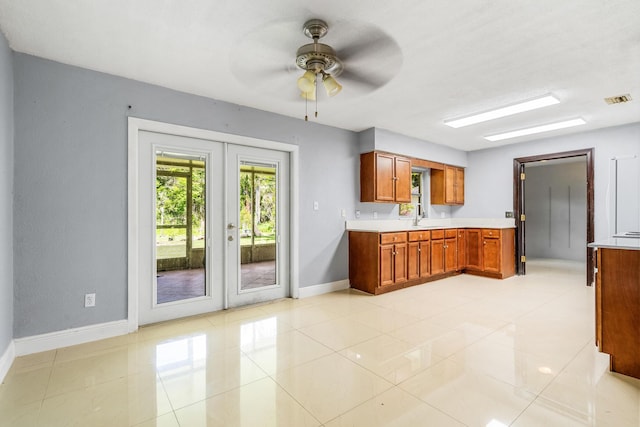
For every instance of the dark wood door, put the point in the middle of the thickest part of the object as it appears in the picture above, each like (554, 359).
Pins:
(474, 248)
(449, 185)
(413, 261)
(491, 255)
(437, 256)
(425, 258)
(400, 263)
(386, 265)
(459, 186)
(462, 249)
(450, 254)
(385, 182)
(403, 180)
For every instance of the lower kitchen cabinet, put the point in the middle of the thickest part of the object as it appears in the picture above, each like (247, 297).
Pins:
(383, 262)
(618, 308)
(419, 259)
(491, 252)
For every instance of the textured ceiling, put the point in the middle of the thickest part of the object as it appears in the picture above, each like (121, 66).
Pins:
(445, 59)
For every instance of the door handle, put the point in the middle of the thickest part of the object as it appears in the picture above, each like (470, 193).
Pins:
(231, 226)
(230, 238)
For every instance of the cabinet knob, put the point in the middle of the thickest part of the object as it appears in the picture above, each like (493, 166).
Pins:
(395, 238)
(484, 243)
(419, 249)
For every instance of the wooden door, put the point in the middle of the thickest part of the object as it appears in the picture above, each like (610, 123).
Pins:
(414, 260)
(474, 248)
(462, 249)
(386, 265)
(403, 180)
(425, 258)
(459, 186)
(450, 254)
(385, 182)
(400, 263)
(449, 185)
(491, 255)
(437, 256)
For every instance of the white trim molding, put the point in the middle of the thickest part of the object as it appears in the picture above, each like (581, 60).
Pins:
(323, 288)
(135, 126)
(6, 360)
(68, 337)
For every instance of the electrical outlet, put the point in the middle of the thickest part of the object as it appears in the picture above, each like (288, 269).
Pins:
(375, 215)
(90, 300)
(343, 213)
(316, 206)
(508, 214)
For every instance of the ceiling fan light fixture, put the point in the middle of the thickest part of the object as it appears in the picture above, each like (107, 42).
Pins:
(331, 85)
(309, 96)
(307, 82)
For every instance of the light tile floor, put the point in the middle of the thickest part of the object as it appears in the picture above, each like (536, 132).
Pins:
(460, 351)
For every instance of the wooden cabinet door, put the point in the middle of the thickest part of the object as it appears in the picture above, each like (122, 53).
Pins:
(450, 254)
(400, 263)
(474, 248)
(449, 185)
(462, 249)
(459, 186)
(425, 258)
(491, 249)
(403, 180)
(385, 182)
(437, 256)
(414, 260)
(386, 265)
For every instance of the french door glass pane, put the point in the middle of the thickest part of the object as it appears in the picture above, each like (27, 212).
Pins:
(180, 227)
(258, 219)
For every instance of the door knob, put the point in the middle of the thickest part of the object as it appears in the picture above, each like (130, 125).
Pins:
(231, 226)
(230, 238)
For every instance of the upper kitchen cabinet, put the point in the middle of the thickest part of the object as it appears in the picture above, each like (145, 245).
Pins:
(447, 186)
(385, 177)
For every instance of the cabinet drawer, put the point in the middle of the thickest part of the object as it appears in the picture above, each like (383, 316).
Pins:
(416, 236)
(387, 238)
(450, 232)
(437, 234)
(490, 233)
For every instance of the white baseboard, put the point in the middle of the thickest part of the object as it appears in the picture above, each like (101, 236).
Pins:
(66, 338)
(7, 360)
(323, 288)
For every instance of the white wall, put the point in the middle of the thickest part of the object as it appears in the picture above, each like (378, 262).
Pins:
(556, 210)
(489, 175)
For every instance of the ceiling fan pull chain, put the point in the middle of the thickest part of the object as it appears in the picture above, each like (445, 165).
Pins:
(315, 84)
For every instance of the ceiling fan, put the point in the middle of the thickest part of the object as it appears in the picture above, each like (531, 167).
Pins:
(319, 61)
(361, 55)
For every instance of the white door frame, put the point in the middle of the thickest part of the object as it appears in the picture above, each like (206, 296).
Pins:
(135, 125)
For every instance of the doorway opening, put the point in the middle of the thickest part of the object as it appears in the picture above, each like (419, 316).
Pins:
(519, 179)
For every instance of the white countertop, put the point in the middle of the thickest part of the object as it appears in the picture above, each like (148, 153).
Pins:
(386, 225)
(617, 243)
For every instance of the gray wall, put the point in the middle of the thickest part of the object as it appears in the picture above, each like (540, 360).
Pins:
(556, 209)
(6, 195)
(489, 175)
(71, 186)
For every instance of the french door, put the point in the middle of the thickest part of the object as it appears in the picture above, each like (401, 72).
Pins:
(213, 226)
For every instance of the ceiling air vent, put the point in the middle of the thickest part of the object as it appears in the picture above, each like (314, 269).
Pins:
(618, 99)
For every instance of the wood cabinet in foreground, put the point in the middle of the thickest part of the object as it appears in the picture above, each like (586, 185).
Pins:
(385, 178)
(618, 308)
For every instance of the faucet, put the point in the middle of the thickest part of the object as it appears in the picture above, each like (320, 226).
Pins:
(415, 217)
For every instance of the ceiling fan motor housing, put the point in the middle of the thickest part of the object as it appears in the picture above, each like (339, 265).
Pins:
(317, 57)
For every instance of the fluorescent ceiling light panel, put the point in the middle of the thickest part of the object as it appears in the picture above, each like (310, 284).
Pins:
(536, 129)
(509, 110)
